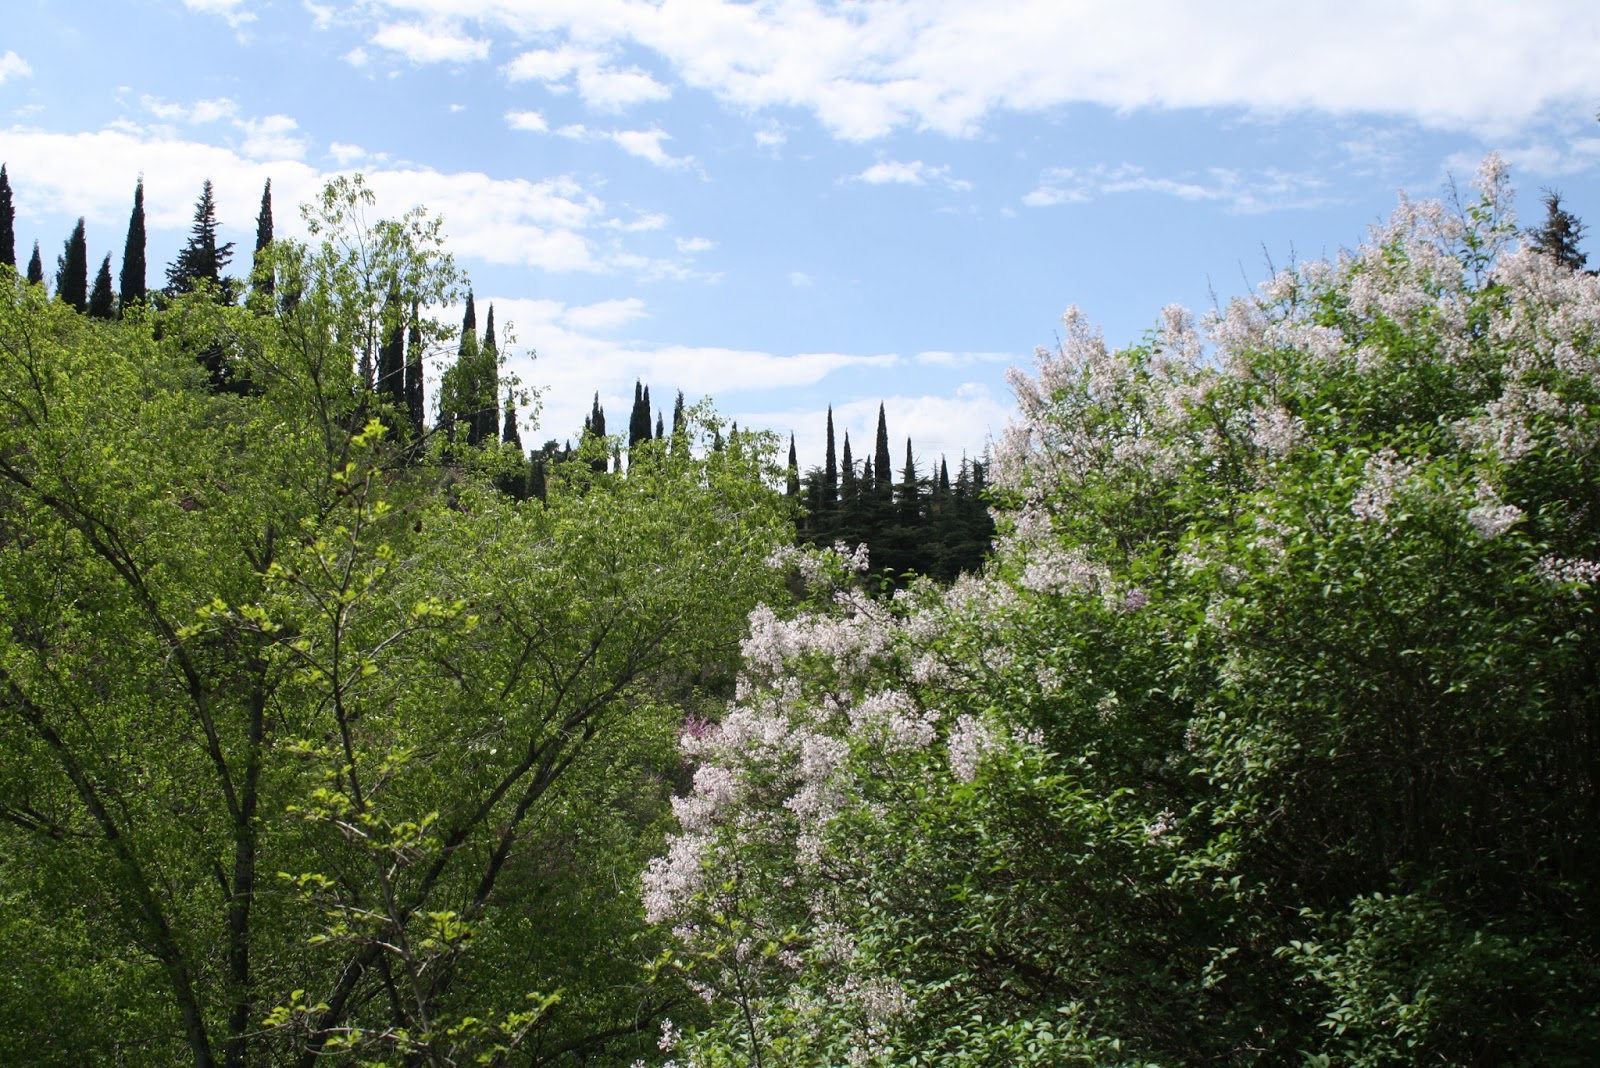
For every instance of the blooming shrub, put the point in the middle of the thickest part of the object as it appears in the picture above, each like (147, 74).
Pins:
(1270, 736)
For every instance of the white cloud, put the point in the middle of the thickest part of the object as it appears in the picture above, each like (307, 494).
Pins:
(1246, 192)
(801, 280)
(692, 245)
(230, 10)
(272, 137)
(963, 420)
(646, 144)
(197, 113)
(605, 315)
(344, 154)
(531, 121)
(13, 66)
(357, 57)
(892, 172)
(618, 90)
(602, 87)
(946, 65)
(938, 358)
(435, 43)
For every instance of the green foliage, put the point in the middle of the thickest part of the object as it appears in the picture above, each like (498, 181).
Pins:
(313, 750)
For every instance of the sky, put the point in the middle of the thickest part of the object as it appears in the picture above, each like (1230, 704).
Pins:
(791, 204)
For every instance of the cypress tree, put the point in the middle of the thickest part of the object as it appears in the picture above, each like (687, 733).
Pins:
(486, 386)
(847, 476)
(639, 418)
(392, 352)
(260, 271)
(661, 427)
(509, 434)
(880, 458)
(72, 269)
(102, 302)
(792, 488)
(201, 259)
(909, 497)
(8, 222)
(36, 267)
(132, 285)
(595, 427)
(830, 470)
(414, 398)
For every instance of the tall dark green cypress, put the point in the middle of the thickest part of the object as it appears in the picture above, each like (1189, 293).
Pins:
(201, 259)
(848, 489)
(36, 267)
(661, 427)
(909, 497)
(415, 406)
(260, 270)
(72, 269)
(830, 470)
(510, 434)
(792, 486)
(392, 352)
(639, 418)
(595, 427)
(103, 302)
(486, 386)
(131, 288)
(8, 222)
(883, 473)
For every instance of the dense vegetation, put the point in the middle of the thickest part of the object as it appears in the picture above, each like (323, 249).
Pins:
(1269, 734)
(313, 740)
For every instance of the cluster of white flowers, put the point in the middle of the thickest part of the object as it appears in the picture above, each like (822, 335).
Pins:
(969, 742)
(1385, 477)
(1561, 571)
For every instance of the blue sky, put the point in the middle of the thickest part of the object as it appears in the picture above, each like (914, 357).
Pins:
(788, 204)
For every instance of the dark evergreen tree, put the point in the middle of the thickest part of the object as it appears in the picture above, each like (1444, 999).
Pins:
(848, 490)
(1560, 233)
(415, 407)
(131, 282)
(486, 386)
(202, 260)
(509, 434)
(8, 222)
(792, 488)
(639, 418)
(884, 476)
(908, 498)
(102, 301)
(594, 426)
(392, 352)
(36, 266)
(260, 270)
(830, 470)
(661, 427)
(72, 269)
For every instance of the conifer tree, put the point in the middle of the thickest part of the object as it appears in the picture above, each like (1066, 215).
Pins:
(661, 427)
(848, 489)
(909, 498)
(485, 381)
(260, 271)
(103, 302)
(8, 222)
(392, 351)
(792, 488)
(509, 434)
(36, 267)
(131, 287)
(72, 269)
(202, 259)
(880, 458)
(639, 418)
(594, 426)
(830, 470)
(1558, 237)
(415, 407)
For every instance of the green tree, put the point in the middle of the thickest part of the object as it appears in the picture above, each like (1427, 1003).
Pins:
(416, 406)
(260, 277)
(8, 222)
(72, 270)
(36, 266)
(202, 260)
(102, 300)
(1559, 234)
(131, 287)
(301, 753)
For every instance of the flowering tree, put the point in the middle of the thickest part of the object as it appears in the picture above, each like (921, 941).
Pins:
(1272, 733)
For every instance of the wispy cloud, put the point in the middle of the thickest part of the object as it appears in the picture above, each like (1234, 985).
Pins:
(894, 172)
(1241, 191)
(232, 11)
(437, 42)
(602, 87)
(13, 66)
(531, 121)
